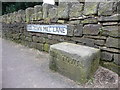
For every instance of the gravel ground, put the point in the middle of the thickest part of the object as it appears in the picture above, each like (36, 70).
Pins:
(28, 68)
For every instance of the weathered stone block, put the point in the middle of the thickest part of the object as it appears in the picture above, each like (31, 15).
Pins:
(106, 56)
(52, 13)
(92, 29)
(46, 8)
(111, 31)
(63, 10)
(4, 18)
(75, 10)
(39, 46)
(96, 37)
(78, 30)
(111, 66)
(113, 42)
(105, 8)
(32, 17)
(21, 15)
(118, 7)
(61, 21)
(28, 39)
(117, 59)
(90, 8)
(100, 42)
(75, 22)
(14, 17)
(70, 30)
(38, 39)
(9, 18)
(29, 12)
(46, 47)
(115, 17)
(38, 16)
(90, 21)
(1, 19)
(109, 23)
(37, 8)
(74, 61)
(38, 12)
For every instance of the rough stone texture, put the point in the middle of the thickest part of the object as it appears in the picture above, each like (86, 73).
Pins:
(78, 30)
(46, 47)
(109, 23)
(1, 19)
(63, 10)
(37, 8)
(28, 39)
(90, 21)
(105, 8)
(112, 50)
(118, 7)
(29, 12)
(113, 42)
(46, 8)
(38, 12)
(75, 10)
(39, 46)
(74, 61)
(111, 66)
(96, 37)
(52, 13)
(15, 30)
(70, 30)
(111, 31)
(14, 17)
(32, 17)
(117, 59)
(91, 29)
(4, 18)
(38, 39)
(21, 15)
(115, 17)
(106, 56)
(100, 42)
(90, 8)
(75, 22)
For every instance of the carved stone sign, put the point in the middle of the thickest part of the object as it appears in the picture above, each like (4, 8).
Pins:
(52, 29)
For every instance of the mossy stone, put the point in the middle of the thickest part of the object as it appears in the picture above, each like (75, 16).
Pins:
(46, 47)
(112, 66)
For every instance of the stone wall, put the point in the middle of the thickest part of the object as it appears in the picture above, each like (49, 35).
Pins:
(94, 24)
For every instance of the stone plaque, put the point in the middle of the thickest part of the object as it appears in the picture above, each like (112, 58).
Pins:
(51, 29)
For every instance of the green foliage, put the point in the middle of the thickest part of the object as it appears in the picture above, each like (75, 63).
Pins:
(9, 7)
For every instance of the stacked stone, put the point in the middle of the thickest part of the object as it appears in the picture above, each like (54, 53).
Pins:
(94, 24)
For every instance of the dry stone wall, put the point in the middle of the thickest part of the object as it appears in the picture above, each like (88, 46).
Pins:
(94, 24)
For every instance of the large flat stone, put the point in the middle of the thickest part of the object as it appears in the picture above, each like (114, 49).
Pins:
(74, 61)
